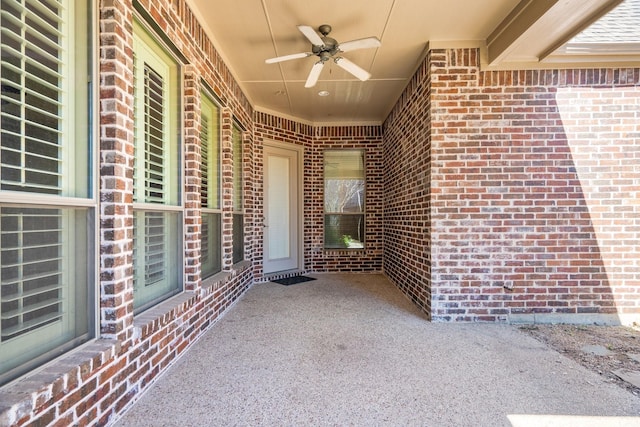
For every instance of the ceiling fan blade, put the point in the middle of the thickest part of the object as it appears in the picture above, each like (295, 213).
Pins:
(349, 66)
(365, 43)
(287, 57)
(311, 34)
(314, 74)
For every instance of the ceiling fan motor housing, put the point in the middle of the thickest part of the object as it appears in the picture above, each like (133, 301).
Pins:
(330, 46)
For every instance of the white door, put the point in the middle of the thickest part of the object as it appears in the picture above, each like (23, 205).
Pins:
(282, 222)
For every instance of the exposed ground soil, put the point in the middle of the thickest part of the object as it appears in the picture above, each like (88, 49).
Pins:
(577, 341)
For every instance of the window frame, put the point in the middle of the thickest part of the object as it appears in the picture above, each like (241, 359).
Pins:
(77, 195)
(216, 168)
(325, 214)
(171, 204)
(237, 211)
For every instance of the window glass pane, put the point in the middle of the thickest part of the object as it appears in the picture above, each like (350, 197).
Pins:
(344, 231)
(237, 169)
(344, 187)
(157, 256)
(210, 249)
(154, 136)
(344, 199)
(238, 220)
(36, 108)
(210, 149)
(43, 282)
(211, 254)
(156, 175)
(238, 238)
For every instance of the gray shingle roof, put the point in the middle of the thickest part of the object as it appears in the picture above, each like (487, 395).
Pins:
(621, 25)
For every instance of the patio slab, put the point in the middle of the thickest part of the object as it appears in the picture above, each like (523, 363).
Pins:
(352, 350)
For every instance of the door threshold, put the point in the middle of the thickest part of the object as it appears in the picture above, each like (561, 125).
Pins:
(282, 275)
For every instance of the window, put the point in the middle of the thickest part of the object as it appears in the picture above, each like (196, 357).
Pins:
(344, 203)
(211, 243)
(238, 218)
(157, 253)
(47, 204)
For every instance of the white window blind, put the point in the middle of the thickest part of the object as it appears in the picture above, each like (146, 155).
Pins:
(238, 167)
(32, 112)
(205, 135)
(155, 248)
(210, 154)
(205, 245)
(156, 104)
(32, 250)
(154, 135)
(238, 217)
(211, 243)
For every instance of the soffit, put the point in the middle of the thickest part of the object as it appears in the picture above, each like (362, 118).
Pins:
(249, 31)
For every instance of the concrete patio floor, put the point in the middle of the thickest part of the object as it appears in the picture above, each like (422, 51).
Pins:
(352, 350)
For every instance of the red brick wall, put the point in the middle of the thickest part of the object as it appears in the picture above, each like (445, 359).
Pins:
(534, 191)
(116, 170)
(91, 385)
(407, 173)
(315, 140)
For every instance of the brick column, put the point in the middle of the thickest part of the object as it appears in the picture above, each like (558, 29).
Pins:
(116, 169)
(248, 194)
(226, 165)
(192, 176)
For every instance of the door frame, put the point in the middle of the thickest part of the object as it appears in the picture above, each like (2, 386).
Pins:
(299, 150)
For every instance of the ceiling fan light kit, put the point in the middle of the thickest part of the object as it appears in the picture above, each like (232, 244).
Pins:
(326, 48)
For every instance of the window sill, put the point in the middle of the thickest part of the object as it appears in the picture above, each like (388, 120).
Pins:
(216, 279)
(156, 317)
(166, 312)
(241, 266)
(22, 397)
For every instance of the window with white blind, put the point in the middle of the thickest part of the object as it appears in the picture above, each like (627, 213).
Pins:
(211, 243)
(238, 215)
(157, 253)
(47, 253)
(344, 199)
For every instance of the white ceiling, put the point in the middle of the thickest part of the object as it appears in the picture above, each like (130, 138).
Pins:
(246, 32)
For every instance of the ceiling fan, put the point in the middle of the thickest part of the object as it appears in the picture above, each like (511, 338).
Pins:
(326, 48)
